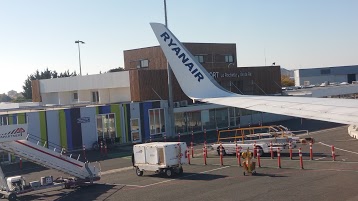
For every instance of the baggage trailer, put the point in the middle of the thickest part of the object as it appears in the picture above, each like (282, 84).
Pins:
(160, 157)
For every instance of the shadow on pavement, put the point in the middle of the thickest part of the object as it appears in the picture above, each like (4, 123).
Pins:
(92, 192)
(191, 176)
(268, 175)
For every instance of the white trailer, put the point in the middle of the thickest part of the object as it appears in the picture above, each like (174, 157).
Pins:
(160, 157)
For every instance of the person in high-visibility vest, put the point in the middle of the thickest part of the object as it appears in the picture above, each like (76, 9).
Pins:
(248, 165)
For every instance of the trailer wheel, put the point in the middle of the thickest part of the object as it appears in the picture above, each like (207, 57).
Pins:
(180, 171)
(138, 172)
(169, 172)
(12, 197)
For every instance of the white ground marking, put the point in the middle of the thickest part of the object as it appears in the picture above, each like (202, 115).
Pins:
(319, 158)
(116, 170)
(338, 148)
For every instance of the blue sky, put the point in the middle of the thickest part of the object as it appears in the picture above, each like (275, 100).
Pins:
(40, 34)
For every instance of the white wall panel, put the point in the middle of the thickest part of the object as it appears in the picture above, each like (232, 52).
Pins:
(103, 96)
(122, 94)
(53, 128)
(34, 124)
(50, 98)
(84, 96)
(89, 133)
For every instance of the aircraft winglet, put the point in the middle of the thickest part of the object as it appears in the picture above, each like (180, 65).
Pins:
(194, 80)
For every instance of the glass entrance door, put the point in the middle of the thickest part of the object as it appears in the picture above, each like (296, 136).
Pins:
(135, 130)
(106, 126)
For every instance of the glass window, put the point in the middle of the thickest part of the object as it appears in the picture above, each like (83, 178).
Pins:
(221, 117)
(229, 58)
(4, 120)
(135, 136)
(156, 121)
(144, 63)
(75, 96)
(151, 122)
(194, 119)
(162, 120)
(211, 124)
(135, 124)
(232, 115)
(200, 58)
(99, 126)
(95, 97)
(111, 126)
(106, 126)
(179, 121)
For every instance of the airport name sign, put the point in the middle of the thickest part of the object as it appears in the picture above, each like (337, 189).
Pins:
(13, 132)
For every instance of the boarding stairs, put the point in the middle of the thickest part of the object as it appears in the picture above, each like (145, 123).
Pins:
(54, 159)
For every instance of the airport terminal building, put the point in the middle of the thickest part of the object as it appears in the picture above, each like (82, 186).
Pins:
(131, 106)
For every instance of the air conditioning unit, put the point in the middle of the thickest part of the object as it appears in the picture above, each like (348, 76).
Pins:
(176, 104)
(183, 103)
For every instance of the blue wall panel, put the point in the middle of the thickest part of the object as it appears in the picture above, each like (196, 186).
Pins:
(68, 129)
(145, 118)
(104, 109)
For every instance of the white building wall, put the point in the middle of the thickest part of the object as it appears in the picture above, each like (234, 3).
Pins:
(111, 87)
(122, 94)
(103, 96)
(296, 74)
(84, 96)
(88, 82)
(65, 98)
(50, 98)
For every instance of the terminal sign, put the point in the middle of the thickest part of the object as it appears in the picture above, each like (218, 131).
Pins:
(13, 132)
(230, 75)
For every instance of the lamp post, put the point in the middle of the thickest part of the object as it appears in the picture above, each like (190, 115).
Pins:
(79, 53)
(170, 89)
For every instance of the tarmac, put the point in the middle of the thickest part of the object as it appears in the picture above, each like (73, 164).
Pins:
(320, 179)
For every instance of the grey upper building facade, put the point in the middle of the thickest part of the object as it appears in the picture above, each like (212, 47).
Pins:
(315, 76)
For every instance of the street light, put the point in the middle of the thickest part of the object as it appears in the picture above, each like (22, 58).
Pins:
(79, 53)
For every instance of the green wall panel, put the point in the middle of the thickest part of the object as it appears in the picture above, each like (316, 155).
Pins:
(117, 113)
(21, 117)
(63, 132)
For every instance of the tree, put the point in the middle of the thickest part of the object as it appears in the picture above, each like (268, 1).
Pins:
(46, 74)
(286, 81)
(116, 70)
(5, 98)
